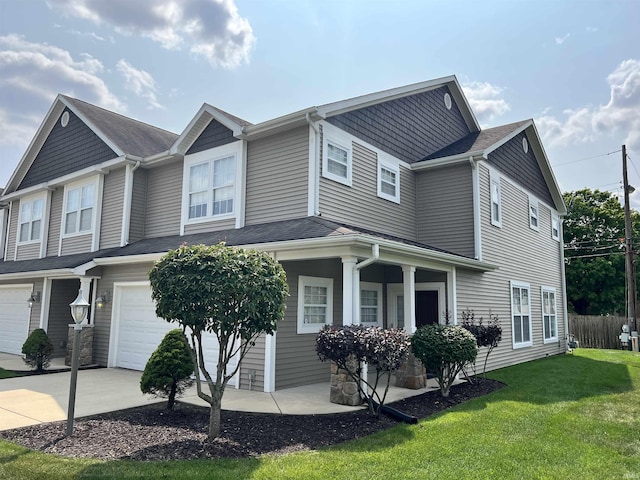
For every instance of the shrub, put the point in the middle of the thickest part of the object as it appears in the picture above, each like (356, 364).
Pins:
(168, 371)
(487, 335)
(37, 350)
(444, 349)
(383, 349)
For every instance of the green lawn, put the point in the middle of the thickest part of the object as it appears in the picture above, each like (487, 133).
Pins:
(571, 416)
(7, 374)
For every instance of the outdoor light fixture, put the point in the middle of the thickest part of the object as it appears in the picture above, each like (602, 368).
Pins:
(33, 299)
(102, 299)
(79, 309)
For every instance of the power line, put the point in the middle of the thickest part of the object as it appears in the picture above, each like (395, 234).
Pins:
(586, 158)
(569, 257)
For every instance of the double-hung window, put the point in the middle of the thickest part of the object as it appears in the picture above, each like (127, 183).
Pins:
(370, 304)
(315, 303)
(521, 314)
(533, 214)
(555, 226)
(336, 155)
(496, 201)
(388, 181)
(30, 228)
(212, 188)
(79, 208)
(549, 316)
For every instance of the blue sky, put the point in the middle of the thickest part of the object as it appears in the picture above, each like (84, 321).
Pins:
(573, 66)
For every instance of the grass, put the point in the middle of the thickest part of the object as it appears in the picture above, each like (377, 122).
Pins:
(8, 374)
(570, 416)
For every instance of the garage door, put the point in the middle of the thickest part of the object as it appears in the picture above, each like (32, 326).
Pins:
(14, 317)
(139, 331)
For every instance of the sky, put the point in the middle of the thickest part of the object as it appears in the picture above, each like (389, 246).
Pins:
(573, 66)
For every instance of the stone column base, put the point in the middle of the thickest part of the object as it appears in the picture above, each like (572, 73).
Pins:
(86, 345)
(411, 374)
(344, 390)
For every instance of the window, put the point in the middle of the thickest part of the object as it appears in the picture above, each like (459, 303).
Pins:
(30, 227)
(388, 181)
(370, 304)
(336, 155)
(211, 188)
(520, 315)
(555, 226)
(78, 210)
(533, 213)
(496, 202)
(315, 303)
(549, 318)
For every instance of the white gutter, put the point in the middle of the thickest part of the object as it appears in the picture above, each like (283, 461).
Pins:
(450, 160)
(375, 255)
(264, 127)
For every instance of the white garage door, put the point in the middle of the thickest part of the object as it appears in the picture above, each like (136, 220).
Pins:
(14, 317)
(139, 331)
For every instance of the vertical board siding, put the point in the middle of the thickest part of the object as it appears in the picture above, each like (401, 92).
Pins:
(254, 360)
(164, 200)
(277, 177)
(112, 203)
(28, 251)
(213, 226)
(444, 211)
(296, 359)
(521, 254)
(359, 204)
(55, 222)
(63, 292)
(214, 135)
(13, 232)
(138, 205)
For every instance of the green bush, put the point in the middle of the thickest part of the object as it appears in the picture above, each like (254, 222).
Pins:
(38, 350)
(445, 350)
(168, 371)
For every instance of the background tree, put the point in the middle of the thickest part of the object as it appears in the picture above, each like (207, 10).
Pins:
(234, 293)
(37, 350)
(594, 252)
(168, 371)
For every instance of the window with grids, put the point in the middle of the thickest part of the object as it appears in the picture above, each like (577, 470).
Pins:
(336, 155)
(370, 303)
(521, 315)
(79, 206)
(496, 202)
(555, 226)
(389, 181)
(211, 188)
(533, 214)
(315, 303)
(549, 317)
(30, 220)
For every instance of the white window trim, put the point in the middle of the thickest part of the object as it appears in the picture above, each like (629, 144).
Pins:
(378, 288)
(544, 289)
(393, 167)
(394, 290)
(522, 285)
(318, 282)
(31, 199)
(555, 218)
(494, 179)
(234, 149)
(332, 135)
(533, 203)
(95, 208)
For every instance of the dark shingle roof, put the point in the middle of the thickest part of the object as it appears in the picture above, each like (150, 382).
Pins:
(238, 120)
(50, 263)
(131, 136)
(477, 141)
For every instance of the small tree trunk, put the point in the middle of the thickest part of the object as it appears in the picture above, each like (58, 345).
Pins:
(172, 395)
(214, 414)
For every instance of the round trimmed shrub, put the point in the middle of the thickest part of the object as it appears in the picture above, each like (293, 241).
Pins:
(37, 350)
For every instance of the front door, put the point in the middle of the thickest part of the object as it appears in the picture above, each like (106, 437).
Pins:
(426, 307)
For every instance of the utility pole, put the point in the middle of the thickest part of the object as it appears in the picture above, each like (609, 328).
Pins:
(628, 232)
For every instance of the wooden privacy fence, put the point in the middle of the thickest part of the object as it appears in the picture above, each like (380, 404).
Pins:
(597, 332)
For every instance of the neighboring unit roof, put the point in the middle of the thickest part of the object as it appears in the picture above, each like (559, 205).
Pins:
(238, 120)
(64, 262)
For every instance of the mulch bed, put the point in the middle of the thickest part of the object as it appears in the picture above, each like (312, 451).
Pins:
(153, 433)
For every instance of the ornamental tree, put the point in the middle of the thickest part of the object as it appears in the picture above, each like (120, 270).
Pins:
(487, 334)
(37, 350)
(234, 293)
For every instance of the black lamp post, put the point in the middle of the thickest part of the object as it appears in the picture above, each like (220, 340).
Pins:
(79, 309)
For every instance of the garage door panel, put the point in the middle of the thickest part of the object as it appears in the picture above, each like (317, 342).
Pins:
(14, 318)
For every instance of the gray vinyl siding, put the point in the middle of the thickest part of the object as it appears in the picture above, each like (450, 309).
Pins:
(63, 292)
(67, 150)
(254, 360)
(213, 226)
(444, 212)
(523, 255)
(76, 244)
(296, 359)
(214, 135)
(13, 231)
(28, 251)
(164, 199)
(277, 177)
(112, 203)
(359, 204)
(138, 205)
(55, 222)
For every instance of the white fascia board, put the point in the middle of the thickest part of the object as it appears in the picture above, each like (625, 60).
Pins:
(124, 260)
(445, 161)
(281, 123)
(467, 112)
(547, 171)
(57, 273)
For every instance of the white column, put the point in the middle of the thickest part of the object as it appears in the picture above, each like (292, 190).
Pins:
(409, 288)
(348, 274)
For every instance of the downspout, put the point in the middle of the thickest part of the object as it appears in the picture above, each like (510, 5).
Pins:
(314, 171)
(564, 282)
(375, 255)
(477, 221)
(126, 208)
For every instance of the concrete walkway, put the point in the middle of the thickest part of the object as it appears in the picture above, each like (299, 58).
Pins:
(44, 398)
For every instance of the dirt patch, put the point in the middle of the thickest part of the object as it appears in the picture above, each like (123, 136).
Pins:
(153, 433)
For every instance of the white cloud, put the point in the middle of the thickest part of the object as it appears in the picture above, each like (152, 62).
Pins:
(139, 82)
(586, 124)
(561, 40)
(212, 29)
(592, 29)
(485, 100)
(33, 74)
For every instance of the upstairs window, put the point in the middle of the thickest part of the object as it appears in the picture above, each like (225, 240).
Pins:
(555, 226)
(496, 201)
(388, 181)
(533, 214)
(30, 220)
(336, 155)
(78, 210)
(212, 188)
(549, 318)
(520, 315)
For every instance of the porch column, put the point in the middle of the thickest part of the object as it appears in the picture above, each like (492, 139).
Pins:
(348, 275)
(409, 284)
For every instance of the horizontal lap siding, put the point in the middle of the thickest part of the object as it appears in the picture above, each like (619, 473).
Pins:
(359, 205)
(55, 222)
(77, 244)
(277, 177)
(138, 205)
(445, 208)
(28, 251)
(112, 203)
(522, 254)
(296, 359)
(210, 226)
(164, 198)
(63, 292)
(253, 360)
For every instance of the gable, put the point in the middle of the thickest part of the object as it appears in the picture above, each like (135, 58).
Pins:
(522, 167)
(66, 150)
(214, 135)
(409, 128)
